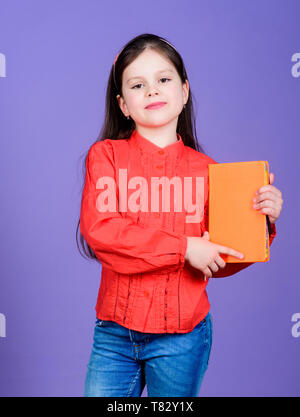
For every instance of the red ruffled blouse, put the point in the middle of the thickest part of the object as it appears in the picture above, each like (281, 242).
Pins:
(137, 227)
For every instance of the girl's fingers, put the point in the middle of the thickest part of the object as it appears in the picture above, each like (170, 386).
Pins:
(213, 267)
(270, 189)
(268, 206)
(270, 212)
(207, 273)
(205, 235)
(267, 195)
(220, 261)
(264, 203)
(229, 251)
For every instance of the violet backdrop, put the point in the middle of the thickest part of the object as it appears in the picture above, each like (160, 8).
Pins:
(55, 61)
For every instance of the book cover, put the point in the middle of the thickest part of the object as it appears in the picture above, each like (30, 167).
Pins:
(233, 222)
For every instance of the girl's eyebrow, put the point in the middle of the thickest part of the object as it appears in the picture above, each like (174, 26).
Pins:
(158, 72)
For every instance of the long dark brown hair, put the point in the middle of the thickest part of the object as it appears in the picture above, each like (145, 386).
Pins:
(116, 126)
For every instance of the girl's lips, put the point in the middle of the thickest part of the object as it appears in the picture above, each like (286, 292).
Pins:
(155, 106)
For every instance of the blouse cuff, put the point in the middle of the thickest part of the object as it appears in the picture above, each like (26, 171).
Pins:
(182, 248)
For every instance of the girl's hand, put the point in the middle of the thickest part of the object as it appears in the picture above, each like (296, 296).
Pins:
(269, 200)
(204, 255)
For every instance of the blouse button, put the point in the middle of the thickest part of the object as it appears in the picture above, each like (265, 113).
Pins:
(159, 166)
(161, 152)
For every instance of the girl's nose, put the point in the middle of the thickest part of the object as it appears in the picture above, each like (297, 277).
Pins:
(153, 90)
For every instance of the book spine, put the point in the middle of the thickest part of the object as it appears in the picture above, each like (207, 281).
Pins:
(267, 234)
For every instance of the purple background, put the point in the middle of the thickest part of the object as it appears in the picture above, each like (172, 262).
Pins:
(58, 58)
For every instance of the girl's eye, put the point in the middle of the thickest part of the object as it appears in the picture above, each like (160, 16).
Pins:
(136, 86)
(164, 78)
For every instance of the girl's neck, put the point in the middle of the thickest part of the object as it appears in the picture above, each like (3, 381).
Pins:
(161, 136)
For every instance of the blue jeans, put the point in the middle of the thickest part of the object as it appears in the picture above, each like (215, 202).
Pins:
(122, 361)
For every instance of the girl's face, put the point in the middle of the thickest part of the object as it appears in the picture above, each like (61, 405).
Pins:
(152, 78)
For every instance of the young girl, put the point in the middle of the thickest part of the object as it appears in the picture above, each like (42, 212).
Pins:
(153, 324)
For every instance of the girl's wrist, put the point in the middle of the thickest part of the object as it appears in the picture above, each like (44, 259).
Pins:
(187, 249)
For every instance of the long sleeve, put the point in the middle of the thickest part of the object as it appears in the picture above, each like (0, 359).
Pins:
(117, 241)
(233, 268)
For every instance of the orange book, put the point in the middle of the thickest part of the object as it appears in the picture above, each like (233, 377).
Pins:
(232, 220)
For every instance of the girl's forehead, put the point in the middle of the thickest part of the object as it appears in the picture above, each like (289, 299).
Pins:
(148, 62)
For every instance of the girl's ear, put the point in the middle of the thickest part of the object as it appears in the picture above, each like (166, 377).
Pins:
(186, 88)
(122, 105)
